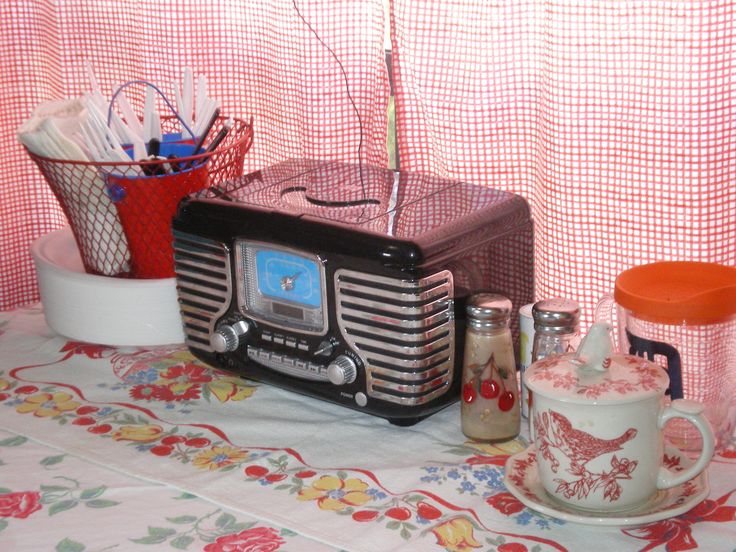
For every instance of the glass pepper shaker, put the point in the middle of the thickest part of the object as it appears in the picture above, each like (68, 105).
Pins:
(490, 404)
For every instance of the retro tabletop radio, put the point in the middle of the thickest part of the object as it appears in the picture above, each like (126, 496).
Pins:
(346, 282)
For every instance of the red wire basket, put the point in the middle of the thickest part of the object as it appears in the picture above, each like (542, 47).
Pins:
(120, 213)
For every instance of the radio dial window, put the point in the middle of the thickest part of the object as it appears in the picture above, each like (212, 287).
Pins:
(281, 286)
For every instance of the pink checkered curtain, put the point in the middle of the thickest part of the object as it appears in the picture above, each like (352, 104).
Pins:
(260, 57)
(616, 120)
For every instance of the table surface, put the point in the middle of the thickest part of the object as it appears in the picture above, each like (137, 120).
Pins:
(105, 448)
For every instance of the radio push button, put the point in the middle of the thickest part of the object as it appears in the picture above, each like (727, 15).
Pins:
(361, 399)
(315, 368)
(285, 364)
(226, 337)
(342, 370)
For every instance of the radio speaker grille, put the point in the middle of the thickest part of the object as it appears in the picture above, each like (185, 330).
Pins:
(403, 331)
(203, 284)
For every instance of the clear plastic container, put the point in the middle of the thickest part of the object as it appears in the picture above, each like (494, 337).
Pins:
(682, 315)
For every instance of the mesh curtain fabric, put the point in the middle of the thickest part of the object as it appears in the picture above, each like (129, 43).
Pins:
(614, 119)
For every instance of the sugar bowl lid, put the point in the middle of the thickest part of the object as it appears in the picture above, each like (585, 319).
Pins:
(593, 375)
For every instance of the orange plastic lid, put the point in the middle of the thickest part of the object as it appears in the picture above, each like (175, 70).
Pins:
(677, 292)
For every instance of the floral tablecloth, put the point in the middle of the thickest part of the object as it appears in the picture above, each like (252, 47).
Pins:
(106, 448)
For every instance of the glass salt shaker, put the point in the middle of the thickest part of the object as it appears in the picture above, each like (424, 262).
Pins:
(490, 404)
(556, 331)
(556, 327)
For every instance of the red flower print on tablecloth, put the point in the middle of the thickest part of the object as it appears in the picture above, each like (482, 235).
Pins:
(147, 392)
(427, 511)
(512, 547)
(258, 539)
(506, 503)
(87, 349)
(487, 460)
(5, 385)
(676, 533)
(19, 505)
(180, 382)
(178, 392)
(186, 373)
(494, 454)
(728, 450)
(174, 375)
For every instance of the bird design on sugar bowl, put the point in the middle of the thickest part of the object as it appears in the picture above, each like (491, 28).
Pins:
(554, 430)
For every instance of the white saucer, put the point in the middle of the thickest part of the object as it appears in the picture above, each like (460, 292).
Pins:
(667, 503)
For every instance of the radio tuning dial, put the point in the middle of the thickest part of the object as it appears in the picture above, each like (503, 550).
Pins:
(325, 348)
(342, 370)
(226, 337)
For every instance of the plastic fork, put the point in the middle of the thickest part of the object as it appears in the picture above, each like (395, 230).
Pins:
(103, 141)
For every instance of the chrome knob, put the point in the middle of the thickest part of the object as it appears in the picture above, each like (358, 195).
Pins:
(226, 337)
(342, 370)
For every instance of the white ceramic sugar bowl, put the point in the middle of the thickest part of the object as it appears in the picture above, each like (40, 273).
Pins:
(598, 427)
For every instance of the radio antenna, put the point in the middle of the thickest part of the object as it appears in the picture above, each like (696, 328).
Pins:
(347, 90)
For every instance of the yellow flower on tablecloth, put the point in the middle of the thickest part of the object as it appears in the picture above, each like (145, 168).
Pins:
(183, 355)
(142, 434)
(219, 457)
(230, 389)
(4, 384)
(47, 404)
(498, 449)
(335, 493)
(180, 388)
(456, 535)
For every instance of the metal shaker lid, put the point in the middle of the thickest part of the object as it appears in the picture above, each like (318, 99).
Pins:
(488, 310)
(556, 315)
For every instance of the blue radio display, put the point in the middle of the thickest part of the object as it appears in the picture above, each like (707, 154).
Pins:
(288, 277)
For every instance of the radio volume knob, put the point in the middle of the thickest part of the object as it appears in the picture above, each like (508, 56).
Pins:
(226, 337)
(342, 370)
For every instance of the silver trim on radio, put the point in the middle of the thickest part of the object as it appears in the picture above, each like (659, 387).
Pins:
(203, 284)
(403, 331)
